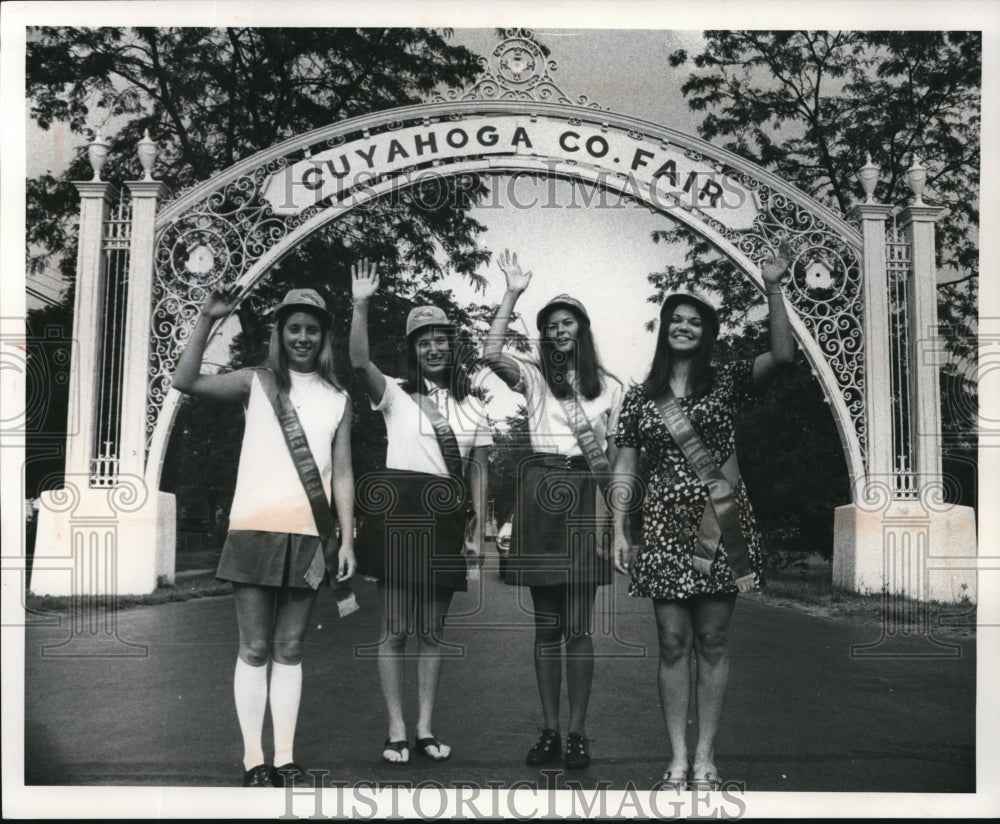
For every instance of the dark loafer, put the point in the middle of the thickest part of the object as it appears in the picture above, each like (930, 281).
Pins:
(548, 748)
(259, 776)
(577, 753)
(290, 775)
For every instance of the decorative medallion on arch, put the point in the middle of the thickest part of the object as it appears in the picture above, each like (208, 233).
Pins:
(516, 69)
(513, 119)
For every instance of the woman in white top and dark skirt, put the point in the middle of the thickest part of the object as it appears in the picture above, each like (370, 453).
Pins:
(273, 552)
(415, 536)
(561, 538)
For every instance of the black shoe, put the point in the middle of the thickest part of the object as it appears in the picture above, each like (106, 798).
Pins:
(577, 754)
(259, 776)
(290, 775)
(548, 748)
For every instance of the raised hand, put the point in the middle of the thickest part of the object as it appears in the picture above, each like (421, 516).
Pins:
(774, 270)
(517, 280)
(220, 302)
(364, 280)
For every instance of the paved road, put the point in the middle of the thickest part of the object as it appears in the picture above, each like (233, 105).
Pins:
(803, 713)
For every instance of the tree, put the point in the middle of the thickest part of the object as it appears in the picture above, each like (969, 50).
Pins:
(511, 446)
(809, 106)
(210, 97)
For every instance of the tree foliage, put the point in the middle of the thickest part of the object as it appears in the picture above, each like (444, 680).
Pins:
(809, 106)
(212, 97)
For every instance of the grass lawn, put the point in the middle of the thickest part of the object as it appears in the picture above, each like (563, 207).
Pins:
(806, 584)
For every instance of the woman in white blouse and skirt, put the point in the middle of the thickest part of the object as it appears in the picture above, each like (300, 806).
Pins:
(438, 441)
(561, 539)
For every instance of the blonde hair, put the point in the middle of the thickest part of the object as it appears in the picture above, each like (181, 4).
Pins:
(277, 360)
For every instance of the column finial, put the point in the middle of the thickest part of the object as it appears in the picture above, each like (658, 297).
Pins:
(916, 179)
(868, 175)
(147, 151)
(97, 151)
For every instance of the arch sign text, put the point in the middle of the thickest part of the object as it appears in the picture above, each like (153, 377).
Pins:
(658, 173)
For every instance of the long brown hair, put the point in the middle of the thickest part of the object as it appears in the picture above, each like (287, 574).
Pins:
(277, 360)
(456, 379)
(702, 372)
(589, 370)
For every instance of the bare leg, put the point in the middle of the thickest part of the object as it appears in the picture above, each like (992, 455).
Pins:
(429, 660)
(712, 617)
(675, 634)
(392, 649)
(579, 656)
(549, 607)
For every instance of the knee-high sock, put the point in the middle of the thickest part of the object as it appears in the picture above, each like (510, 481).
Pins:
(286, 691)
(250, 690)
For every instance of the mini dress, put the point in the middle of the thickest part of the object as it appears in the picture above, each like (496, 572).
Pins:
(675, 497)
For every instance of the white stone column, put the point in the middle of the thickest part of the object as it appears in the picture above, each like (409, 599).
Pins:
(135, 373)
(96, 198)
(918, 223)
(154, 525)
(924, 548)
(96, 544)
(878, 385)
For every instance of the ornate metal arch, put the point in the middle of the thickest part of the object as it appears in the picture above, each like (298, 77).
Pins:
(234, 227)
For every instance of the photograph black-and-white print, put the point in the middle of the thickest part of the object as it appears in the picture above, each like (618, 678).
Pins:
(499, 412)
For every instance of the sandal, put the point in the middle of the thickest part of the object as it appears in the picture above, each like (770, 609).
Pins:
(401, 747)
(577, 754)
(424, 743)
(673, 781)
(548, 748)
(709, 781)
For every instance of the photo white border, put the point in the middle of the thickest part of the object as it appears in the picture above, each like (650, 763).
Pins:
(112, 802)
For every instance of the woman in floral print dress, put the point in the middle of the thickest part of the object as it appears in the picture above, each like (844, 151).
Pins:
(693, 611)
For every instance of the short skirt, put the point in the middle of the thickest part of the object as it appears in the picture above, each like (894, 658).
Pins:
(558, 525)
(272, 559)
(412, 530)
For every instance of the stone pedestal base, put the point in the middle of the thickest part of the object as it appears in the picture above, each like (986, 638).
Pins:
(103, 542)
(905, 548)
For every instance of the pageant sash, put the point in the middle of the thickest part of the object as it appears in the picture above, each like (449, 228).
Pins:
(596, 458)
(448, 444)
(312, 483)
(720, 520)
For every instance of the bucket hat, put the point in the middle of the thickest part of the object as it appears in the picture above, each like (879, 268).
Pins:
(564, 301)
(708, 311)
(304, 299)
(422, 316)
